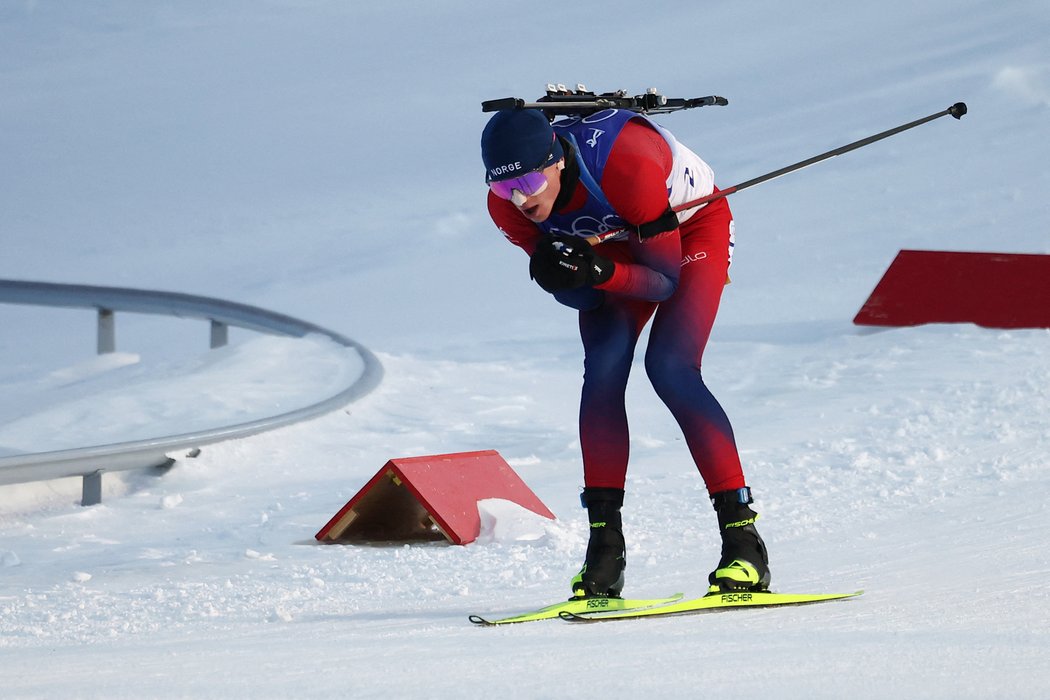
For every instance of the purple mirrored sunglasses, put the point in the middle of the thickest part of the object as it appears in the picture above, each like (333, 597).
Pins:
(528, 184)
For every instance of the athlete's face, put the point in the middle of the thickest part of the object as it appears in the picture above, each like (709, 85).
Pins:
(538, 207)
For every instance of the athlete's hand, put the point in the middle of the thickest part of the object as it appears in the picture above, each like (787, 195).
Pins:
(563, 262)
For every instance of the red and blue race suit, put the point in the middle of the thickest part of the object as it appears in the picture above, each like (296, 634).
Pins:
(630, 169)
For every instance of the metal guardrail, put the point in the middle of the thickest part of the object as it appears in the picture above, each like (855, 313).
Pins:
(91, 462)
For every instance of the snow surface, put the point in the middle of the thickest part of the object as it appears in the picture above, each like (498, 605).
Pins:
(320, 159)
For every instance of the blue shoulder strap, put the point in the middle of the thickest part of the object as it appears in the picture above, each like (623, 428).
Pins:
(585, 176)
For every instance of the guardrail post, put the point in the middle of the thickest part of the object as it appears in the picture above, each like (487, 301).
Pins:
(107, 332)
(92, 494)
(220, 334)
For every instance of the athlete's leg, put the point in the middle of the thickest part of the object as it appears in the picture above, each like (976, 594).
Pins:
(610, 334)
(673, 359)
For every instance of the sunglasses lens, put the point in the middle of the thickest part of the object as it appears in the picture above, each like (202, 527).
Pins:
(528, 184)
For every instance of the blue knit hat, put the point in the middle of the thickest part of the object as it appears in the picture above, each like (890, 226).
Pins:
(518, 141)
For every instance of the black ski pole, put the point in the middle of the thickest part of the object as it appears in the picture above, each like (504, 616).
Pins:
(957, 110)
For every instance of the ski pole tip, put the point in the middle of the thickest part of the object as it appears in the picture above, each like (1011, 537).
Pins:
(957, 110)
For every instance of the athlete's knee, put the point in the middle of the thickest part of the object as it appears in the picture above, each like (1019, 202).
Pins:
(606, 373)
(669, 374)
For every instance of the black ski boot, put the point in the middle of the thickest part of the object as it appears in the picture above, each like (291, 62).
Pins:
(744, 565)
(602, 573)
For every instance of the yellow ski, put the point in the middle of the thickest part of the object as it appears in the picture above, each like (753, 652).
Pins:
(581, 606)
(709, 603)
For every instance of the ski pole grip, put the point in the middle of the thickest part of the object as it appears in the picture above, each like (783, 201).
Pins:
(957, 110)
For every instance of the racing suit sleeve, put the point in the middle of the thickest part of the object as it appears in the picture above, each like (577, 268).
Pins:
(635, 183)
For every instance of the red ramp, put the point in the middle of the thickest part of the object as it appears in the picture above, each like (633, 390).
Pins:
(429, 498)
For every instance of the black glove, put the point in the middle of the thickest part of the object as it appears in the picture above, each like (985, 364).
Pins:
(563, 262)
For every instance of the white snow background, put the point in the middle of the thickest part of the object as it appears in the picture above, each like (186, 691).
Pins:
(321, 159)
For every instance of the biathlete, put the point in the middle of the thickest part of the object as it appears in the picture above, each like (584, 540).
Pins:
(551, 186)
